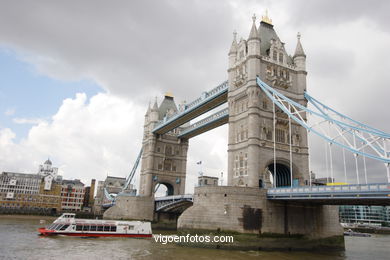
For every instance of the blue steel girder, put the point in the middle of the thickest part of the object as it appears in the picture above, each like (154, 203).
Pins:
(209, 100)
(353, 194)
(350, 129)
(215, 120)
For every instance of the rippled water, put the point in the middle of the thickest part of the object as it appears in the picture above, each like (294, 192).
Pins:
(19, 240)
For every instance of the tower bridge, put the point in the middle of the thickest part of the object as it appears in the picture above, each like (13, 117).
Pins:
(269, 115)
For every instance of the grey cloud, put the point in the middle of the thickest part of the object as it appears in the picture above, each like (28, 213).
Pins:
(132, 48)
(334, 12)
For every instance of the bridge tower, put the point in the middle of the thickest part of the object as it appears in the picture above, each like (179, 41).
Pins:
(252, 128)
(164, 157)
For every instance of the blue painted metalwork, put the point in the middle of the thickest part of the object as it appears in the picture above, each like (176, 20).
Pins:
(162, 203)
(279, 98)
(220, 115)
(342, 192)
(205, 98)
(111, 196)
(132, 173)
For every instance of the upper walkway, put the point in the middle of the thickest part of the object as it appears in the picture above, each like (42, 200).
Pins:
(207, 101)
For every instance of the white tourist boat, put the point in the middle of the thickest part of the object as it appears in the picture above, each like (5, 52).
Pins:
(68, 225)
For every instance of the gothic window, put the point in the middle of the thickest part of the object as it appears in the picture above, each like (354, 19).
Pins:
(269, 70)
(269, 134)
(167, 165)
(274, 55)
(174, 168)
(168, 150)
(241, 161)
(280, 136)
(281, 57)
(177, 152)
(281, 74)
(275, 72)
(158, 149)
(265, 105)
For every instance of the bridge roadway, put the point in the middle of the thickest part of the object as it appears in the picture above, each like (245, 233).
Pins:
(354, 194)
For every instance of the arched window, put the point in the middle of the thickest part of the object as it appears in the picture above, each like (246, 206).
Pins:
(168, 150)
(281, 57)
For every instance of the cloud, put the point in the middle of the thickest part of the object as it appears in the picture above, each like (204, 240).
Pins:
(9, 111)
(32, 121)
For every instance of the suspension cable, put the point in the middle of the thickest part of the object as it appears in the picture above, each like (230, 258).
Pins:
(331, 162)
(356, 162)
(345, 166)
(289, 129)
(274, 138)
(365, 167)
(326, 162)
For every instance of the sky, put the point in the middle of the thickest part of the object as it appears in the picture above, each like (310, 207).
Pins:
(76, 77)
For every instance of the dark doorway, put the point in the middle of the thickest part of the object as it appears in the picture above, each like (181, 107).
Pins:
(283, 177)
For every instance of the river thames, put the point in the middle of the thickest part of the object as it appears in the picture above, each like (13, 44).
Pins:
(19, 240)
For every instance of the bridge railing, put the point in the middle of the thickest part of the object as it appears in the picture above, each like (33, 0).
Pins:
(353, 188)
(174, 197)
(205, 97)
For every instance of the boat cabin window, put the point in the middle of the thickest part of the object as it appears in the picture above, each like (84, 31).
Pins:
(106, 228)
(86, 228)
(64, 227)
(131, 227)
(100, 228)
(113, 228)
(93, 228)
(79, 228)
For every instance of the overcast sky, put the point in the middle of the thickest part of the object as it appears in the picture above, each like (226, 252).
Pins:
(76, 76)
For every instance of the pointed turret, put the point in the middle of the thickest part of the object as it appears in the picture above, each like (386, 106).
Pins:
(299, 55)
(299, 50)
(155, 105)
(153, 115)
(233, 51)
(254, 33)
(253, 52)
(148, 110)
(233, 48)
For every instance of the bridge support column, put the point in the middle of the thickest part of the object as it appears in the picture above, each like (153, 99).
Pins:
(247, 210)
(132, 208)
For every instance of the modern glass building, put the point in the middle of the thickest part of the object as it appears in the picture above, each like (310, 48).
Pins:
(371, 215)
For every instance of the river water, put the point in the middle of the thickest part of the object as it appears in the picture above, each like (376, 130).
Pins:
(19, 240)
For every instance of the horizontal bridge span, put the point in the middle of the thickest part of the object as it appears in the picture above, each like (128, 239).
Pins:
(217, 119)
(209, 100)
(355, 194)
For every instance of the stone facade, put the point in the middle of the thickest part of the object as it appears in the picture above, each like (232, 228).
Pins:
(251, 125)
(246, 210)
(164, 157)
(131, 207)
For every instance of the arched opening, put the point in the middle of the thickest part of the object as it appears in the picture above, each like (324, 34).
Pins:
(163, 189)
(283, 177)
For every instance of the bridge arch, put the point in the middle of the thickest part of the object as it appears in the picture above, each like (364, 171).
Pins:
(283, 172)
(163, 187)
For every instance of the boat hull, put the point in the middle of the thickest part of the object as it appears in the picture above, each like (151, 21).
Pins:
(47, 232)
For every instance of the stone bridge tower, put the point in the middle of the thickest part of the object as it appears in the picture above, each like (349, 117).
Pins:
(164, 157)
(251, 124)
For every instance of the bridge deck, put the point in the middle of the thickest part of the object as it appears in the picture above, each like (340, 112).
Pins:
(356, 194)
